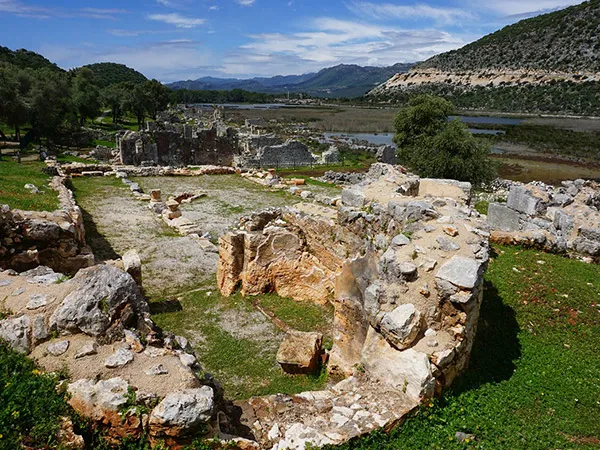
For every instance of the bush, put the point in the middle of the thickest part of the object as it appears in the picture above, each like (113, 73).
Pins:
(434, 147)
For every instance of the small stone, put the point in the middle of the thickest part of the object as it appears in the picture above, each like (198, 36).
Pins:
(58, 348)
(429, 228)
(37, 301)
(460, 271)
(462, 437)
(429, 264)
(31, 188)
(39, 328)
(133, 341)
(182, 342)
(450, 230)
(446, 244)
(461, 297)
(187, 359)
(400, 240)
(172, 205)
(119, 358)
(430, 332)
(91, 348)
(5, 283)
(18, 292)
(425, 290)
(407, 269)
(445, 220)
(432, 343)
(157, 370)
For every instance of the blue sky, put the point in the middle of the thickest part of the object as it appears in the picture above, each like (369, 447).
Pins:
(186, 39)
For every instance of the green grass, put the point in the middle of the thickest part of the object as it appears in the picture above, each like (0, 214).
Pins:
(482, 207)
(533, 380)
(29, 404)
(245, 366)
(109, 144)
(13, 178)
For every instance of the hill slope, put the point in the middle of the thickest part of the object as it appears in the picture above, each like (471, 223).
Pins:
(106, 74)
(549, 64)
(563, 41)
(339, 81)
(26, 59)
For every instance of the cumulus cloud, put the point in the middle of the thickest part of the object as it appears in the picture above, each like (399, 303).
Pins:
(330, 41)
(177, 19)
(246, 2)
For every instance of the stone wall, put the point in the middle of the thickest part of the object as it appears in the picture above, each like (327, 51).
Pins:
(556, 219)
(405, 275)
(54, 239)
(179, 145)
(271, 151)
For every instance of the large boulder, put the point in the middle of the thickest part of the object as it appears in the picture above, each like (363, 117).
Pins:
(102, 296)
(299, 352)
(181, 414)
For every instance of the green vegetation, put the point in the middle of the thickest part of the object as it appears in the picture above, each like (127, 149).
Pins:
(25, 59)
(434, 147)
(552, 98)
(532, 381)
(565, 40)
(235, 343)
(233, 96)
(107, 74)
(482, 207)
(29, 404)
(15, 176)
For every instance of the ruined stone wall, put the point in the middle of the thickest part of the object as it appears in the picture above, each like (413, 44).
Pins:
(405, 275)
(271, 151)
(562, 219)
(179, 145)
(54, 239)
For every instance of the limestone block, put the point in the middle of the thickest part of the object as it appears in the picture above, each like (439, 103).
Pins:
(501, 217)
(522, 200)
(133, 265)
(461, 271)
(401, 326)
(16, 333)
(408, 370)
(299, 352)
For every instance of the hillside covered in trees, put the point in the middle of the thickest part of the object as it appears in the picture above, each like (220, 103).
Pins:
(26, 59)
(106, 74)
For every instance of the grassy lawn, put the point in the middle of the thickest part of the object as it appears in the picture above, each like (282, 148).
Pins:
(534, 379)
(236, 344)
(13, 178)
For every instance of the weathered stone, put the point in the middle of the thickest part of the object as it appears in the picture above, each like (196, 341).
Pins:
(37, 301)
(101, 293)
(461, 271)
(89, 349)
(353, 196)
(133, 265)
(119, 358)
(67, 438)
(522, 200)
(447, 245)
(187, 359)
(299, 352)
(298, 436)
(400, 240)
(58, 348)
(39, 328)
(182, 413)
(133, 341)
(401, 326)
(501, 217)
(408, 370)
(16, 333)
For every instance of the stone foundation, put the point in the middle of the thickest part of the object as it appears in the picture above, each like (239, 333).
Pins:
(404, 271)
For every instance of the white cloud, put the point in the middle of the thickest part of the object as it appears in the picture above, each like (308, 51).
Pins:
(213, 8)
(246, 2)
(177, 19)
(330, 41)
(389, 11)
(509, 8)
(41, 12)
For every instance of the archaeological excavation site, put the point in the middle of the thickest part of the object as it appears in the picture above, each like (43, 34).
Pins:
(187, 293)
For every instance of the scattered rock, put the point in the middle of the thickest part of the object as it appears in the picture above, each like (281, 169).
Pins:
(447, 245)
(299, 352)
(119, 358)
(157, 370)
(16, 333)
(401, 326)
(58, 348)
(89, 349)
(37, 301)
(460, 271)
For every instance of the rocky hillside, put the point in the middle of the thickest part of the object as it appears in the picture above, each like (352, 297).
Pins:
(547, 56)
(344, 80)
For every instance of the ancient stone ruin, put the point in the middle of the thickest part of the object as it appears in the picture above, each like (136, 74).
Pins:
(402, 261)
(563, 219)
(271, 151)
(179, 145)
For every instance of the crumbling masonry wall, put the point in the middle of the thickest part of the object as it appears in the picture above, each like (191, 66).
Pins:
(404, 271)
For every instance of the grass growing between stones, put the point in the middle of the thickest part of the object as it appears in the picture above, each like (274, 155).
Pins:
(13, 178)
(236, 343)
(533, 380)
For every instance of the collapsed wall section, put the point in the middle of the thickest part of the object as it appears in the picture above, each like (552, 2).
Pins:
(403, 271)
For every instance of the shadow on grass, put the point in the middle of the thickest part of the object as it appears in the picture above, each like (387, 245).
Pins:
(102, 249)
(165, 306)
(496, 345)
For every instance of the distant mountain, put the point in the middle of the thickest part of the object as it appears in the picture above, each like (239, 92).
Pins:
(26, 59)
(106, 74)
(339, 81)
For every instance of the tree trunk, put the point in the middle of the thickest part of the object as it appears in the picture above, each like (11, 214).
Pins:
(17, 133)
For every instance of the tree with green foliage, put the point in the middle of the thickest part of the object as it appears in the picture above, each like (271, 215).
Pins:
(157, 97)
(115, 98)
(50, 102)
(433, 146)
(86, 96)
(14, 88)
